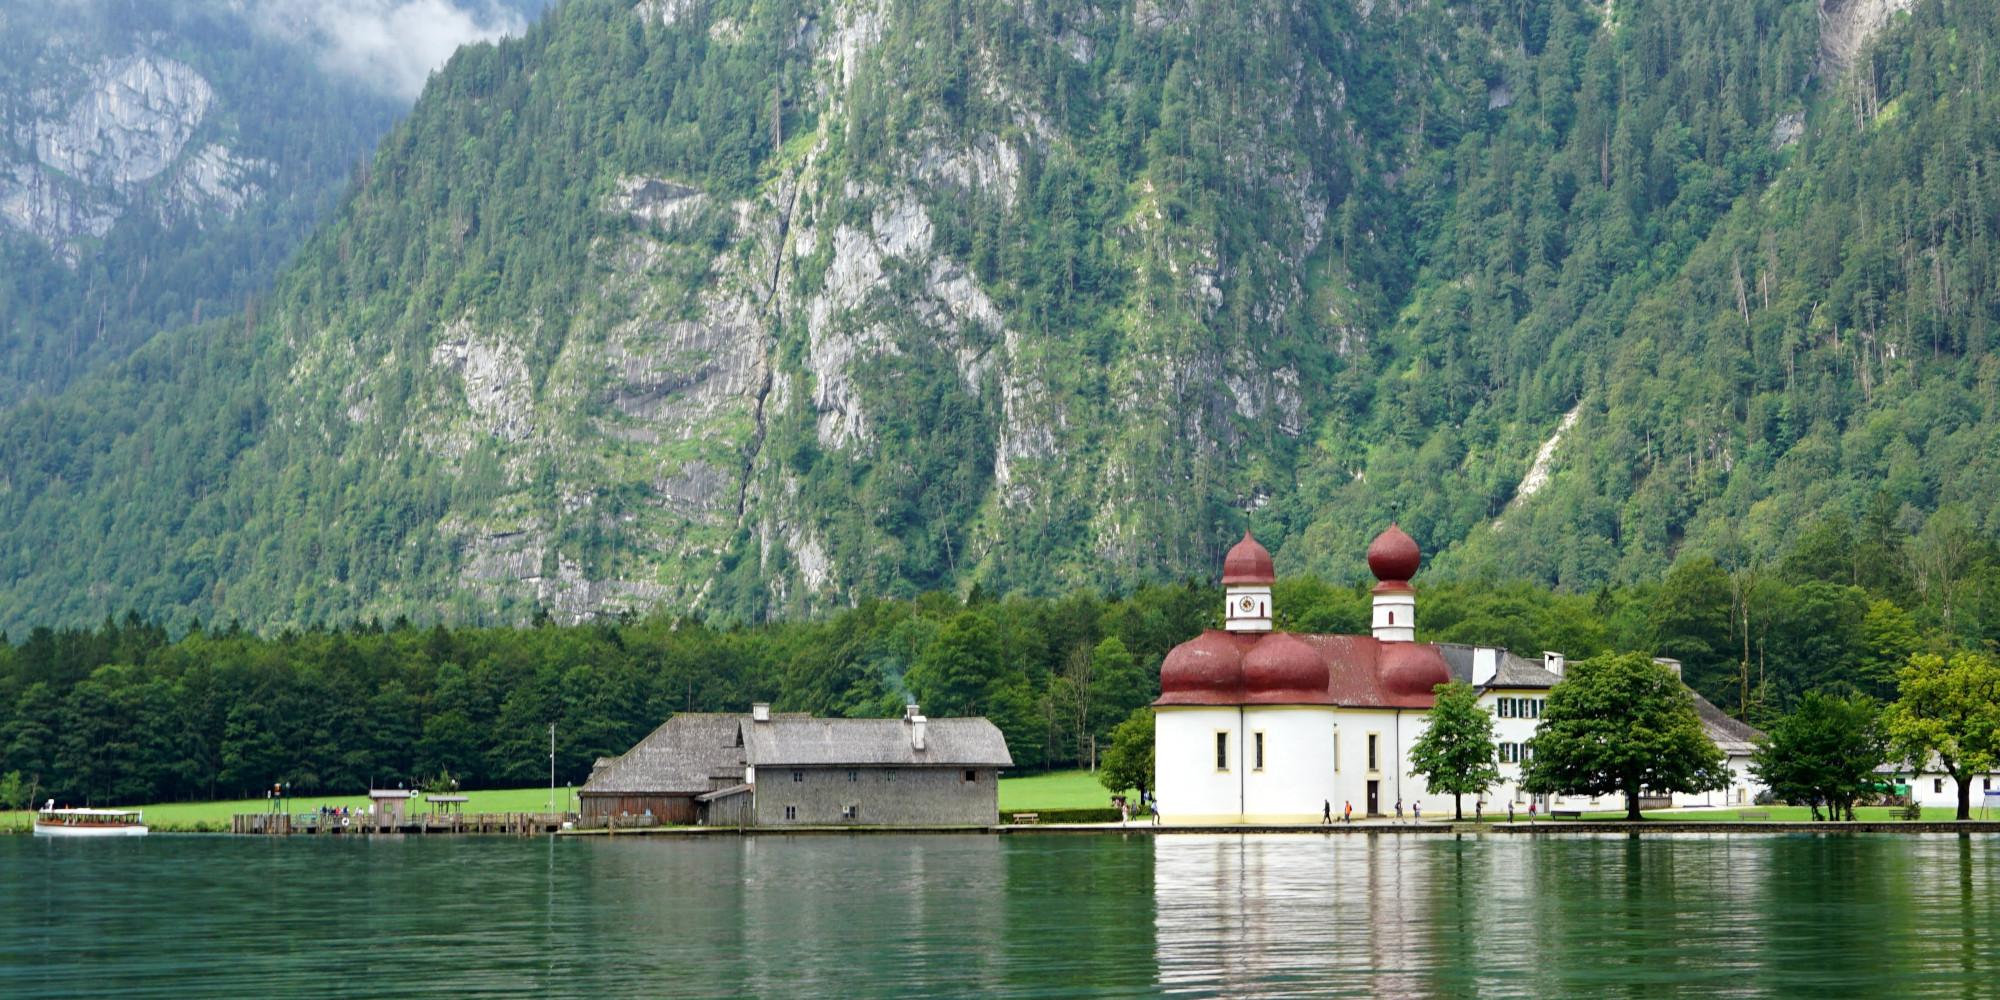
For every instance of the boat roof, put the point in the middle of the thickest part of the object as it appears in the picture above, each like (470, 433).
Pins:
(90, 812)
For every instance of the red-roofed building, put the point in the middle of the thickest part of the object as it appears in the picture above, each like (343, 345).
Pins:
(1260, 726)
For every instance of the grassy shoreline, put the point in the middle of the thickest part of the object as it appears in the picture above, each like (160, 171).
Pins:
(1054, 790)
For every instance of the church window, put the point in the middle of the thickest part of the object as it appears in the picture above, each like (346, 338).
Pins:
(1221, 751)
(1392, 618)
(1257, 751)
(1374, 751)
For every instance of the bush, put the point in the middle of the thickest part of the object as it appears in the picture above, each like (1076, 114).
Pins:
(1105, 815)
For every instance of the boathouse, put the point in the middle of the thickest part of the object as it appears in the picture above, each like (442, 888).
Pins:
(779, 769)
(660, 778)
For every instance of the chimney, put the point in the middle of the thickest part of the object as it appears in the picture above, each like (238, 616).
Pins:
(760, 712)
(1669, 663)
(1485, 664)
(1552, 662)
(917, 724)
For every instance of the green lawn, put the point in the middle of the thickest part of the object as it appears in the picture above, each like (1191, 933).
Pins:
(1054, 790)
(167, 816)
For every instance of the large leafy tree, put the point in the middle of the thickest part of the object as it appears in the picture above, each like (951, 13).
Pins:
(1825, 753)
(1947, 715)
(1622, 724)
(1455, 752)
(959, 670)
(1129, 762)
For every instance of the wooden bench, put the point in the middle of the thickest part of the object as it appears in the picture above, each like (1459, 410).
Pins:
(1759, 814)
(1565, 814)
(1027, 817)
(1911, 812)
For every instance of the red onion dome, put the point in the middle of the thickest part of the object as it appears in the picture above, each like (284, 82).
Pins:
(1393, 556)
(1248, 563)
(1280, 662)
(1209, 662)
(1412, 669)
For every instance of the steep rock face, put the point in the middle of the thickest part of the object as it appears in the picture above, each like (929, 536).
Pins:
(1848, 26)
(85, 156)
(834, 382)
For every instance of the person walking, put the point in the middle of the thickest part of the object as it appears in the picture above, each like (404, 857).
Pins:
(1417, 810)
(1531, 812)
(1399, 808)
(1347, 812)
(1326, 812)
(1153, 806)
(1478, 810)
(1510, 811)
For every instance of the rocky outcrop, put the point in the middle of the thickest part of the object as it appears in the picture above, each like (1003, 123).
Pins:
(85, 157)
(1847, 27)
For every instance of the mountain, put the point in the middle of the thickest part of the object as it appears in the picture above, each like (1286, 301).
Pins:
(754, 309)
(159, 161)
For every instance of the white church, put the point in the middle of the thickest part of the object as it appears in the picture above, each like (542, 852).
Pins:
(1255, 725)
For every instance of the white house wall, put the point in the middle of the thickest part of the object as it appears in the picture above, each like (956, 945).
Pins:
(1937, 790)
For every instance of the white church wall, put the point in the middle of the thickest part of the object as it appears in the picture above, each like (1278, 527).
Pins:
(1298, 777)
(1191, 788)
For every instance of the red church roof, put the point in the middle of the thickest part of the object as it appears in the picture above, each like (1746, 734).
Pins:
(1267, 668)
(1393, 557)
(1248, 563)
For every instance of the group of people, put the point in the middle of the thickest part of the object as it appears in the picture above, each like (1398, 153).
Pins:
(1416, 811)
(1147, 802)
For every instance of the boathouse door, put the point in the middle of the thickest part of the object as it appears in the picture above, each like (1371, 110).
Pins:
(1374, 798)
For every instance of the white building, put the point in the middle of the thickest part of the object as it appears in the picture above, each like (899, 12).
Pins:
(1260, 726)
(1932, 788)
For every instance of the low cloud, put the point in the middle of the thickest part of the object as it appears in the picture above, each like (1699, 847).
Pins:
(391, 46)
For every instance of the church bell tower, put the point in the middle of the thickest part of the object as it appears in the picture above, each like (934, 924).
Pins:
(1246, 587)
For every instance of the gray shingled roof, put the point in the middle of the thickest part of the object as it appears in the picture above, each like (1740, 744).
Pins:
(687, 755)
(1520, 672)
(1734, 736)
(833, 742)
(1514, 672)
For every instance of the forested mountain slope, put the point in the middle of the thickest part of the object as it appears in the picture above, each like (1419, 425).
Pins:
(160, 160)
(758, 308)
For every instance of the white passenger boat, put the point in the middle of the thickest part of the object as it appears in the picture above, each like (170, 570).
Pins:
(53, 822)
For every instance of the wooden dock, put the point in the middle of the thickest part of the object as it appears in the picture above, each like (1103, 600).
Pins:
(505, 824)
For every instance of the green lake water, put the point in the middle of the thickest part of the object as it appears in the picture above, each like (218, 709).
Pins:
(1819, 916)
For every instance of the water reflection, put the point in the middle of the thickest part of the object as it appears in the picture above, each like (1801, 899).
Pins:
(1030, 916)
(1447, 917)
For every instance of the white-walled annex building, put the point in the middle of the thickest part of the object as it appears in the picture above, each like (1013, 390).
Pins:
(1255, 725)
